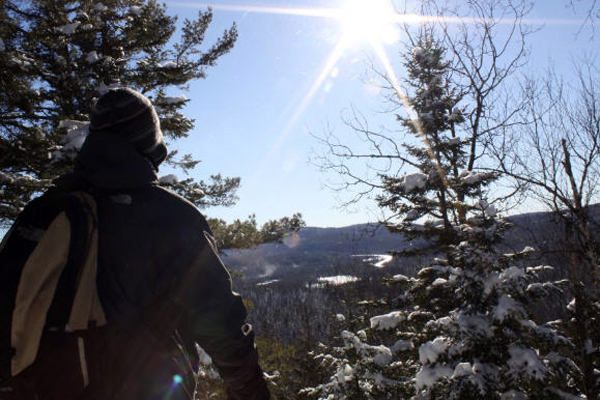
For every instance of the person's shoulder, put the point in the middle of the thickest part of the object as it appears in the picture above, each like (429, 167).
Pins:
(173, 204)
(167, 195)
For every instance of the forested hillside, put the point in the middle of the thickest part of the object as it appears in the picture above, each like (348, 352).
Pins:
(449, 296)
(301, 294)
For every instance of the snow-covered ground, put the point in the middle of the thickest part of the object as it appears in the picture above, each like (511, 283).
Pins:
(377, 260)
(337, 280)
(266, 283)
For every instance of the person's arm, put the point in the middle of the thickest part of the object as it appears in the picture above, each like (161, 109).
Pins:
(215, 317)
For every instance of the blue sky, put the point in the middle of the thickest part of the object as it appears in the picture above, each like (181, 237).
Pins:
(256, 109)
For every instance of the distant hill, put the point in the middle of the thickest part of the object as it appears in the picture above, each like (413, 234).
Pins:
(314, 252)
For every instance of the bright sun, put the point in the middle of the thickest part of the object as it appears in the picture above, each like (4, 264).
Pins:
(368, 21)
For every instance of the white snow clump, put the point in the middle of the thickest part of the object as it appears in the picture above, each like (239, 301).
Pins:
(381, 355)
(430, 351)
(506, 304)
(100, 7)
(92, 57)
(463, 369)
(387, 321)
(400, 278)
(168, 65)
(428, 375)
(413, 181)
(540, 268)
(68, 29)
(488, 209)
(512, 273)
(524, 360)
(21, 61)
(571, 305)
(102, 88)
(470, 177)
(439, 282)
(168, 179)
(77, 131)
(174, 100)
(135, 10)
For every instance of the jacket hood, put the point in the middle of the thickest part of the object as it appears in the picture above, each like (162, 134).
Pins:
(108, 161)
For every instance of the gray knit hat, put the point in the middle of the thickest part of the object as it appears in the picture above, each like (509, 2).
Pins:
(130, 114)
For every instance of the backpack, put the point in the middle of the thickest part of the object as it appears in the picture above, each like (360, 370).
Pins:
(48, 286)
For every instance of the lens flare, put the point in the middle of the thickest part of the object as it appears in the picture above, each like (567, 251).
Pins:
(368, 21)
(177, 379)
(362, 21)
(291, 240)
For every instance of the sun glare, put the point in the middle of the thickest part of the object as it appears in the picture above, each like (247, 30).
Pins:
(368, 21)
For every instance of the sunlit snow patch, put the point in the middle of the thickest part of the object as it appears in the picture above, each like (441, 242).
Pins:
(266, 283)
(135, 10)
(100, 7)
(168, 179)
(377, 260)
(174, 100)
(168, 65)
(336, 280)
(411, 182)
(506, 305)
(428, 375)
(526, 361)
(488, 209)
(470, 177)
(387, 321)
(430, 351)
(77, 131)
(68, 29)
(92, 57)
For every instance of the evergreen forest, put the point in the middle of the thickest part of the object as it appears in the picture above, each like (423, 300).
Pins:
(450, 295)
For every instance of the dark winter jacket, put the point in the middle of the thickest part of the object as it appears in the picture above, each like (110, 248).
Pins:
(158, 272)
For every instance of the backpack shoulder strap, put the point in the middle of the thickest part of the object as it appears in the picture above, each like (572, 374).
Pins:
(17, 246)
(57, 284)
(35, 292)
(86, 308)
(80, 212)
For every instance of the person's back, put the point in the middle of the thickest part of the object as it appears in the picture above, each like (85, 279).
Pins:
(158, 270)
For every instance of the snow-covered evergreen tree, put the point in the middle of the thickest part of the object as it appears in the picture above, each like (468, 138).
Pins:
(57, 56)
(461, 328)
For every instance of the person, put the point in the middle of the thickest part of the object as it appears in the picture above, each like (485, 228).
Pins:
(159, 275)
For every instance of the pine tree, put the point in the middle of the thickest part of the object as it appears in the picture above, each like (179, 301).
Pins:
(245, 234)
(57, 56)
(461, 328)
(440, 182)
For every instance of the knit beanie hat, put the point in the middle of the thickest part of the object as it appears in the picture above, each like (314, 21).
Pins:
(130, 115)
